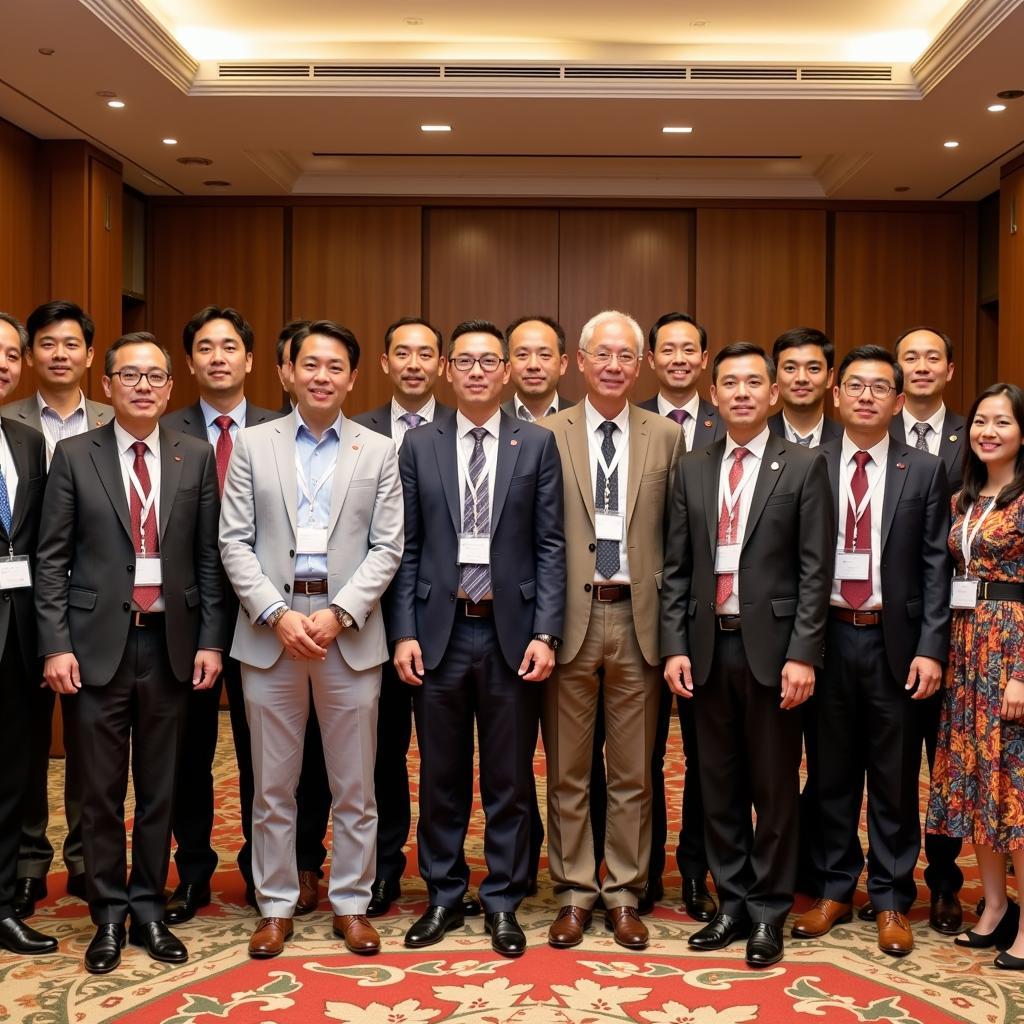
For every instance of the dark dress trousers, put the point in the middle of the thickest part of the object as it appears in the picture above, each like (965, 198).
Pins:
(135, 679)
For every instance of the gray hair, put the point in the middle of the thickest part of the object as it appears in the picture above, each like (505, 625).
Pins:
(19, 327)
(607, 316)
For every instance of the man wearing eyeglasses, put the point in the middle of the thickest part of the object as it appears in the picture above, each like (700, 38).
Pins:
(130, 607)
(476, 617)
(617, 460)
(887, 641)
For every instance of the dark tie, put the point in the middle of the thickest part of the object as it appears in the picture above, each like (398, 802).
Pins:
(411, 419)
(856, 592)
(223, 451)
(804, 442)
(680, 416)
(606, 499)
(476, 516)
(922, 430)
(143, 596)
(5, 505)
(729, 526)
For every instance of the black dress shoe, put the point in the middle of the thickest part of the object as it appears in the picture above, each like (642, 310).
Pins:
(1001, 937)
(720, 932)
(652, 892)
(158, 942)
(946, 914)
(764, 947)
(471, 905)
(185, 902)
(698, 900)
(866, 913)
(383, 893)
(507, 938)
(26, 892)
(433, 925)
(16, 937)
(76, 886)
(104, 952)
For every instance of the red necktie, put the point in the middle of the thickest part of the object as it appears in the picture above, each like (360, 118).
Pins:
(224, 446)
(856, 592)
(143, 596)
(728, 527)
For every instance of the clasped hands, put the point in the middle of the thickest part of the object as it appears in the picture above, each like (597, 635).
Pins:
(307, 637)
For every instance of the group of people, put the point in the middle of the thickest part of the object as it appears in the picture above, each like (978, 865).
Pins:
(779, 581)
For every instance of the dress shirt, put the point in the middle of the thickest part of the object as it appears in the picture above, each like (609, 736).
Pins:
(126, 460)
(399, 429)
(595, 438)
(463, 426)
(692, 407)
(935, 421)
(522, 413)
(316, 458)
(57, 428)
(791, 434)
(751, 467)
(210, 414)
(10, 471)
(875, 470)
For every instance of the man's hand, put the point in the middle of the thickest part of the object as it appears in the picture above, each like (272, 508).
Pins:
(207, 668)
(679, 675)
(60, 673)
(408, 662)
(1013, 700)
(926, 674)
(325, 627)
(543, 659)
(294, 630)
(797, 683)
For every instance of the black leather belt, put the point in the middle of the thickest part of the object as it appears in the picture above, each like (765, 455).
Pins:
(607, 593)
(728, 623)
(310, 586)
(855, 618)
(1000, 591)
(147, 620)
(475, 609)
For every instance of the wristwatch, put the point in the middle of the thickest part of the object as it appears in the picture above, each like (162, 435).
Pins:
(343, 617)
(275, 616)
(552, 641)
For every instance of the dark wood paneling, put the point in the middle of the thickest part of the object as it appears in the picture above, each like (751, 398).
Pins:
(1011, 278)
(106, 242)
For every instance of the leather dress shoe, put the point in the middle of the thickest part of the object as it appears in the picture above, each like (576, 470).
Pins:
(894, 933)
(629, 930)
(652, 892)
(433, 926)
(946, 914)
(16, 937)
(26, 892)
(76, 886)
(697, 899)
(359, 935)
(471, 905)
(269, 936)
(185, 902)
(720, 932)
(567, 929)
(821, 918)
(104, 952)
(382, 894)
(764, 946)
(507, 938)
(866, 913)
(309, 892)
(1001, 937)
(158, 941)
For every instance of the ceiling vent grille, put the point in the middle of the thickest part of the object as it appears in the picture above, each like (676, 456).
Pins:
(742, 73)
(613, 72)
(243, 71)
(502, 71)
(854, 73)
(376, 70)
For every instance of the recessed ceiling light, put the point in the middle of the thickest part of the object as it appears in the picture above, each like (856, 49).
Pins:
(195, 161)
(951, 143)
(1010, 94)
(169, 142)
(902, 188)
(996, 108)
(435, 127)
(676, 129)
(47, 51)
(217, 183)
(116, 104)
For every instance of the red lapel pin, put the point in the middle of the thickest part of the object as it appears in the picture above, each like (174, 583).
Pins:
(901, 465)
(177, 458)
(708, 423)
(513, 442)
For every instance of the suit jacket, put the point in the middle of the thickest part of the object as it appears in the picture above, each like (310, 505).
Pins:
(655, 444)
(708, 428)
(379, 419)
(28, 451)
(191, 421)
(785, 569)
(26, 411)
(830, 429)
(258, 536)
(915, 562)
(951, 444)
(527, 542)
(509, 407)
(83, 598)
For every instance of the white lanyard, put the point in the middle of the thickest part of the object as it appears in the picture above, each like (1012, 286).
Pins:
(859, 510)
(5, 470)
(475, 487)
(731, 497)
(147, 504)
(608, 467)
(967, 540)
(300, 477)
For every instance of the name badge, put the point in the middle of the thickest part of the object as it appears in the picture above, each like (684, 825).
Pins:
(15, 573)
(608, 525)
(853, 565)
(474, 549)
(963, 593)
(148, 572)
(311, 541)
(727, 558)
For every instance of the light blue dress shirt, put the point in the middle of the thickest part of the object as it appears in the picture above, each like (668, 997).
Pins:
(316, 458)
(210, 414)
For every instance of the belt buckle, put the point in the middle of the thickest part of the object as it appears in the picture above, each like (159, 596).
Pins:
(983, 590)
(471, 615)
(866, 620)
(137, 620)
(605, 591)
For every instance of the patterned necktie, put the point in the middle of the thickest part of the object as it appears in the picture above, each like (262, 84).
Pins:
(728, 526)
(143, 596)
(524, 414)
(223, 451)
(922, 430)
(804, 442)
(856, 592)
(411, 419)
(475, 580)
(679, 415)
(606, 499)
(5, 505)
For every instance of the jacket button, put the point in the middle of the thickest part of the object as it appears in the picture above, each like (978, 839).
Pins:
(291, 554)
(127, 606)
(592, 547)
(7, 596)
(130, 568)
(587, 587)
(287, 588)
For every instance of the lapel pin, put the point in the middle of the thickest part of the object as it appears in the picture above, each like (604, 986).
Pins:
(708, 423)
(901, 465)
(177, 458)
(355, 447)
(775, 465)
(952, 437)
(513, 442)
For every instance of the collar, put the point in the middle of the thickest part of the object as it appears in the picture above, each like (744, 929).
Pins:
(595, 419)
(300, 426)
(790, 430)
(210, 414)
(692, 406)
(879, 452)
(427, 411)
(126, 440)
(755, 445)
(934, 421)
(81, 405)
(464, 424)
(518, 403)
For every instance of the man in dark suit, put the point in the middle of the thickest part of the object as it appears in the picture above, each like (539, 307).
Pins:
(804, 360)
(477, 612)
(124, 647)
(887, 640)
(218, 349)
(536, 346)
(926, 358)
(22, 477)
(748, 568)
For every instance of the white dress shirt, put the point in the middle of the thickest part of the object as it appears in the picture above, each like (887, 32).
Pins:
(400, 429)
(935, 421)
(791, 434)
(692, 407)
(57, 428)
(10, 472)
(595, 438)
(210, 414)
(126, 459)
(522, 413)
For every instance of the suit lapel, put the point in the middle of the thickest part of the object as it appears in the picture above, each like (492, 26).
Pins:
(445, 440)
(171, 465)
(767, 478)
(895, 478)
(639, 441)
(898, 428)
(951, 441)
(95, 415)
(195, 422)
(579, 456)
(706, 427)
(283, 441)
(349, 450)
(710, 472)
(834, 463)
(508, 454)
(105, 458)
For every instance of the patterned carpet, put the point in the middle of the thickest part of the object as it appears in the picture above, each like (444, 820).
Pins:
(842, 978)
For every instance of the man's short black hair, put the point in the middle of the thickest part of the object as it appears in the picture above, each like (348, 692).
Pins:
(874, 354)
(208, 313)
(329, 329)
(411, 321)
(288, 332)
(478, 327)
(676, 318)
(798, 337)
(541, 319)
(946, 340)
(738, 349)
(55, 312)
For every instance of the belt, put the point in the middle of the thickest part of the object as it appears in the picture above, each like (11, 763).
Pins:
(855, 618)
(310, 586)
(475, 609)
(728, 623)
(1000, 591)
(610, 592)
(147, 620)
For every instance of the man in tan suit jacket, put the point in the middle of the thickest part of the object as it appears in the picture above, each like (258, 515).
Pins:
(617, 462)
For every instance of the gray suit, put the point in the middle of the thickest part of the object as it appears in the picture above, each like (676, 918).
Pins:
(26, 411)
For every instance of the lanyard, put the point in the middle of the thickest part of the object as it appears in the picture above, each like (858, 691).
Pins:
(471, 486)
(147, 504)
(731, 497)
(967, 540)
(608, 467)
(859, 510)
(300, 477)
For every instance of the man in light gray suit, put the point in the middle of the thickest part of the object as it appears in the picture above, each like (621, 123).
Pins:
(311, 534)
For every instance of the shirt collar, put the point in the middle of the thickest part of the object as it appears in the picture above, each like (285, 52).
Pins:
(464, 424)
(300, 426)
(595, 419)
(210, 414)
(692, 406)
(518, 403)
(427, 411)
(126, 440)
(81, 405)
(755, 445)
(791, 431)
(934, 421)
(879, 452)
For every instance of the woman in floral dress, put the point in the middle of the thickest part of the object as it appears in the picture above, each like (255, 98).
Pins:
(978, 780)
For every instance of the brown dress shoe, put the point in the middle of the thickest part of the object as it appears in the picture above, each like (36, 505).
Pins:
(567, 929)
(309, 892)
(360, 936)
(818, 921)
(629, 930)
(894, 934)
(270, 936)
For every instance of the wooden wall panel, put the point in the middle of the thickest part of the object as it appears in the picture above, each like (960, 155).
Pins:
(1011, 279)
(228, 256)
(106, 242)
(361, 266)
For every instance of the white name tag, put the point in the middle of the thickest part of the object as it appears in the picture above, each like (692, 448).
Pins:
(963, 593)
(853, 565)
(148, 573)
(727, 558)
(14, 573)
(608, 525)
(474, 549)
(311, 541)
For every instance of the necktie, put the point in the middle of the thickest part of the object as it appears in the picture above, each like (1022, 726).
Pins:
(680, 416)
(143, 596)
(728, 526)
(922, 430)
(5, 505)
(804, 442)
(606, 499)
(524, 414)
(223, 450)
(476, 516)
(411, 419)
(856, 592)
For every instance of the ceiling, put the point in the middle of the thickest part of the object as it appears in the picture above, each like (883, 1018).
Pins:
(314, 97)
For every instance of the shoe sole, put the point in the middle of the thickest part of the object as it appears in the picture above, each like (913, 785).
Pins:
(801, 934)
(897, 952)
(764, 963)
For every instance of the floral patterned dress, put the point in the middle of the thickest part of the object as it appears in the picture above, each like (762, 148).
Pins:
(977, 789)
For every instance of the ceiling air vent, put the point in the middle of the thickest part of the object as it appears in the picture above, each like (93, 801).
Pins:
(852, 73)
(611, 72)
(502, 71)
(376, 71)
(263, 71)
(742, 73)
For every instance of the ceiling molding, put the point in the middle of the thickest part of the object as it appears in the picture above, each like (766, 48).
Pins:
(129, 20)
(277, 165)
(839, 168)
